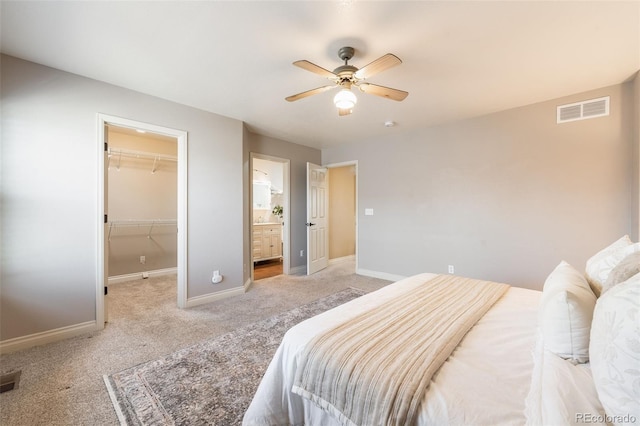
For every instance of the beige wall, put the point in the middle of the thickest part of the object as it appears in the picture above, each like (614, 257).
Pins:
(49, 216)
(342, 212)
(137, 194)
(504, 197)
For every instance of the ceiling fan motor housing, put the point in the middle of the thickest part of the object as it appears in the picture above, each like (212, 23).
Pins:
(346, 53)
(345, 73)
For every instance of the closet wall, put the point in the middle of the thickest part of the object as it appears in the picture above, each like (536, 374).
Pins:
(142, 202)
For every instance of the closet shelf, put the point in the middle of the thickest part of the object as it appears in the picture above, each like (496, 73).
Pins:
(118, 153)
(143, 223)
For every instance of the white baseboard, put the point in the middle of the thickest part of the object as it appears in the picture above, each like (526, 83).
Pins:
(381, 275)
(298, 270)
(138, 275)
(212, 297)
(50, 336)
(342, 259)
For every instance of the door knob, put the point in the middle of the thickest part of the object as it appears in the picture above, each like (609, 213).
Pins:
(309, 224)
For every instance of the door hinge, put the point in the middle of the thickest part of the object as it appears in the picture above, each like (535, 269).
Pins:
(105, 218)
(106, 147)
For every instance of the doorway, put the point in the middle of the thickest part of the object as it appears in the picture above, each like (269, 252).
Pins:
(142, 204)
(269, 216)
(342, 219)
(156, 230)
(342, 212)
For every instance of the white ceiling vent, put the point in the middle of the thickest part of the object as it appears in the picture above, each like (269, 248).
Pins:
(583, 110)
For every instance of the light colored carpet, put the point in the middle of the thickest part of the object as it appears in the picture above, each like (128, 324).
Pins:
(212, 382)
(61, 383)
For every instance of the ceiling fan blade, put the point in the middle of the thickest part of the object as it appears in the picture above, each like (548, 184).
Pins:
(309, 93)
(382, 63)
(309, 66)
(344, 111)
(385, 92)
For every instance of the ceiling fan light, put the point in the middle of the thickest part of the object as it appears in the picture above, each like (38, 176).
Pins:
(345, 99)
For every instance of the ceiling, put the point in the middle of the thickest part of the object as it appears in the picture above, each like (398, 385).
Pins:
(141, 134)
(460, 58)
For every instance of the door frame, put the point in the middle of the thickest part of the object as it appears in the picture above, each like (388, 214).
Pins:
(286, 213)
(102, 254)
(346, 164)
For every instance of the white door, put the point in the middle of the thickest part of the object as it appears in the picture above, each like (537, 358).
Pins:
(317, 223)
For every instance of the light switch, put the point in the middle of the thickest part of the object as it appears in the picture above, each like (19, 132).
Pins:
(368, 212)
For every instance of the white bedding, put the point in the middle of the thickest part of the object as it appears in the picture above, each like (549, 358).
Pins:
(561, 392)
(484, 381)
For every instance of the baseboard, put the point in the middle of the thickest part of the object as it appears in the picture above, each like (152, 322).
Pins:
(212, 297)
(298, 270)
(138, 275)
(381, 275)
(247, 285)
(342, 259)
(50, 336)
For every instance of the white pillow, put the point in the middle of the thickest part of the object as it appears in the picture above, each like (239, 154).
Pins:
(562, 276)
(625, 269)
(599, 266)
(615, 351)
(565, 314)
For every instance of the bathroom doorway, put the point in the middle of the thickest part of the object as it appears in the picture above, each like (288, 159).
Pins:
(269, 216)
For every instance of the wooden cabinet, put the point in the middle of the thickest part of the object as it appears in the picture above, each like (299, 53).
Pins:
(267, 241)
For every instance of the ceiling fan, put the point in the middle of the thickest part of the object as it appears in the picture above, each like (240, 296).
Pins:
(347, 76)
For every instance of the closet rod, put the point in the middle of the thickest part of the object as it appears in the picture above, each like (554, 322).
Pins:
(151, 223)
(136, 222)
(121, 152)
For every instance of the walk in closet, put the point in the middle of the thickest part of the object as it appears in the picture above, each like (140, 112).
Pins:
(142, 203)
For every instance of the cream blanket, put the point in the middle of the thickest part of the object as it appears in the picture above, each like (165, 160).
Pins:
(374, 369)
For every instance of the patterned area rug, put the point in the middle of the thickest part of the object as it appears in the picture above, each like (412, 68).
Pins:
(210, 383)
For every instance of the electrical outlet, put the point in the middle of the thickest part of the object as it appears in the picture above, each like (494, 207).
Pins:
(301, 253)
(143, 259)
(451, 269)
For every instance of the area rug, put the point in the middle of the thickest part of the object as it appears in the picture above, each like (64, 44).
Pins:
(212, 382)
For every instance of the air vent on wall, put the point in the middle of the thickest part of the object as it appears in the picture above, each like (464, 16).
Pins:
(583, 110)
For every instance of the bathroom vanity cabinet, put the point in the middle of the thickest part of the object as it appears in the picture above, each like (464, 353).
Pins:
(267, 241)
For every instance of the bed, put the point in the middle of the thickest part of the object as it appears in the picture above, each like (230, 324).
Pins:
(525, 360)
